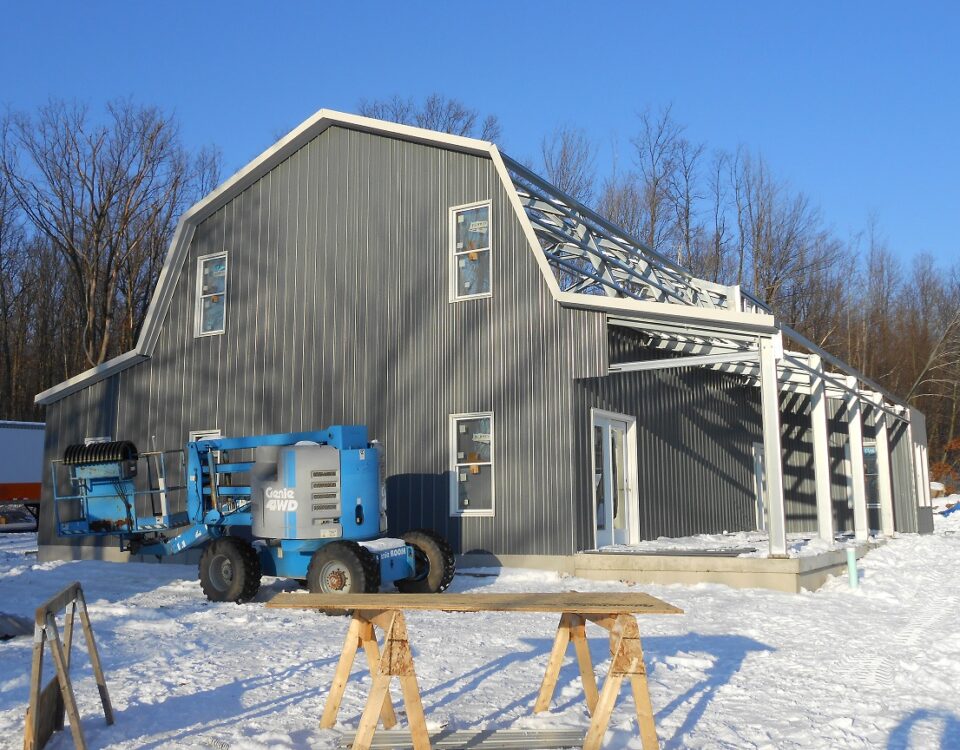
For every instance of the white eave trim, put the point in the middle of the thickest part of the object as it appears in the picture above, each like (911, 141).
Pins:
(708, 320)
(77, 382)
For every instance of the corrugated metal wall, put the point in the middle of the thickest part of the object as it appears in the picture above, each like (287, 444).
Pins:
(338, 312)
(839, 469)
(904, 486)
(799, 479)
(695, 435)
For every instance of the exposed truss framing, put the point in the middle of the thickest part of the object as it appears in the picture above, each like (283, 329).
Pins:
(589, 255)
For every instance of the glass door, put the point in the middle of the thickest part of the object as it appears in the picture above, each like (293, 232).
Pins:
(612, 495)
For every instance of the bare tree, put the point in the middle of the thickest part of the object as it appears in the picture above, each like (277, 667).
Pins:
(718, 269)
(102, 195)
(684, 185)
(569, 162)
(621, 201)
(656, 155)
(436, 112)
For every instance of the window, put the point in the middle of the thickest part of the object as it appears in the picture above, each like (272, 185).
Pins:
(471, 463)
(211, 294)
(470, 251)
(196, 435)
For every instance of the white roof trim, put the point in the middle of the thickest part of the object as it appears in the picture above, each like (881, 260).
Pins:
(92, 375)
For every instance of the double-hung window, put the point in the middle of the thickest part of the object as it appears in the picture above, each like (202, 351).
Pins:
(471, 464)
(211, 314)
(470, 251)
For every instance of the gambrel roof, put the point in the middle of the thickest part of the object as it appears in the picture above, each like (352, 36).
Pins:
(586, 261)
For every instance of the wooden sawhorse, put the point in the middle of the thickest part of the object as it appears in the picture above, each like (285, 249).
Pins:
(613, 612)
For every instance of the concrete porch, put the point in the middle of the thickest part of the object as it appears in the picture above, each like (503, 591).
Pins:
(789, 574)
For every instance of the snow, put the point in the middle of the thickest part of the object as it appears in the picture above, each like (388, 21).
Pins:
(874, 667)
(940, 504)
(737, 544)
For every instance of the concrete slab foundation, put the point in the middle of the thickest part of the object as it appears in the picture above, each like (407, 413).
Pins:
(792, 575)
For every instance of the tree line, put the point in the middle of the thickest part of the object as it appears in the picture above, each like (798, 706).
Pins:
(89, 203)
(728, 218)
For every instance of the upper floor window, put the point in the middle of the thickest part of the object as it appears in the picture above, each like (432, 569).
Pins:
(470, 251)
(211, 294)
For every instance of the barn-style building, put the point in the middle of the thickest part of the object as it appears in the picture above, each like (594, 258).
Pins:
(542, 382)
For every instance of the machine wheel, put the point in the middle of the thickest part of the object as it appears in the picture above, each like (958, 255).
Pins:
(230, 570)
(371, 567)
(435, 563)
(338, 568)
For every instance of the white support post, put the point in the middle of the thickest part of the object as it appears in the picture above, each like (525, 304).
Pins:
(821, 450)
(884, 469)
(772, 459)
(861, 522)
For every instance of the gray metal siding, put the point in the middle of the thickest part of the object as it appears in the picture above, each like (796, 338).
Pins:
(799, 478)
(695, 435)
(904, 488)
(839, 471)
(338, 312)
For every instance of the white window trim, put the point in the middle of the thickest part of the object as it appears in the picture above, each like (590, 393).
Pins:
(452, 249)
(198, 307)
(455, 510)
(196, 435)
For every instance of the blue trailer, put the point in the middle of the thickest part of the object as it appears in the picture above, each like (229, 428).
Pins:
(309, 505)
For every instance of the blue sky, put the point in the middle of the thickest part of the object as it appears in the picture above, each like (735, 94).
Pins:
(856, 104)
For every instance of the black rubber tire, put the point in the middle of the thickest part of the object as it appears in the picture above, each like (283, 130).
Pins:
(230, 570)
(338, 568)
(371, 567)
(436, 564)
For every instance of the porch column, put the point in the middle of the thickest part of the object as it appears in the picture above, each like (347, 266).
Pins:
(884, 466)
(821, 450)
(773, 468)
(861, 522)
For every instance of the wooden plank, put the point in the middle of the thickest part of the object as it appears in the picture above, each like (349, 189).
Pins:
(32, 737)
(601, 717)
(414, 706)
(369, 640)
(56, 603)
(94, 657)
(66, 688)
(575, 602)
(554, 663)
(371, 712)
(645, 720)
(578, 634)
(342, 673)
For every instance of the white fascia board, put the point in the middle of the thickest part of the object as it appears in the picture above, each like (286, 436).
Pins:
(77, 382)
(705, 321)
(525, 223)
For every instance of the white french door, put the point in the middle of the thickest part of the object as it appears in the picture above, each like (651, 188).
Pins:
(615, 504)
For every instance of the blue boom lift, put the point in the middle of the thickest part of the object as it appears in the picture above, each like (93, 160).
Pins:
(313, 507)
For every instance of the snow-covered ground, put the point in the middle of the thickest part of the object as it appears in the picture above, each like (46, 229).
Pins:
(739, 544)
(874, 668)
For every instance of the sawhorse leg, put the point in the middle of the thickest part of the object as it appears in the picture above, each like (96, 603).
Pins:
(571, 628)
(626, 662)
(395, 661)
(360, 634)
